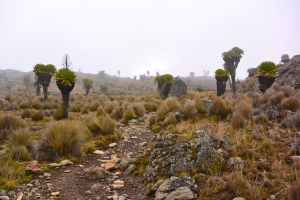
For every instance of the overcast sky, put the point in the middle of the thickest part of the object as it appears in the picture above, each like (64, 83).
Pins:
(133, 36)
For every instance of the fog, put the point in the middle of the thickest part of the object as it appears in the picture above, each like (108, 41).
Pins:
(133, 36)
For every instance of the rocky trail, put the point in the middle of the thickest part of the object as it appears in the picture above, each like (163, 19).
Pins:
(103, 175)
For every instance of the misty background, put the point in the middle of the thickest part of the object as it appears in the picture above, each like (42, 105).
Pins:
(133, 36)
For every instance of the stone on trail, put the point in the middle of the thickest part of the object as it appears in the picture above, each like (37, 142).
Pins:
(98, 152)
(61, 163)
(4, 198)
(55, 193)
(34, 167)
(112, 145)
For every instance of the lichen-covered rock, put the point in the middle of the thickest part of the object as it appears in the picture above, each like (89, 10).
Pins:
(176, 188)
(173, 156)
(289, 73)
(178, 88)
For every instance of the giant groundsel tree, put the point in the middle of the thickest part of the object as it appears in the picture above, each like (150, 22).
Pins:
(232, 59)
(43, 75)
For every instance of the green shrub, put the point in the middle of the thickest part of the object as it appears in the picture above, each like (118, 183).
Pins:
(62, 138)
(165, 78)
(37, 115)
(221, 73)
(267, 68)
(65, 76)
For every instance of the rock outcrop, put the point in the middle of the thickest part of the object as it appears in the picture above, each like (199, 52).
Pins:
(173, 156)
(289, 73)
(175, 188)
(178, 88)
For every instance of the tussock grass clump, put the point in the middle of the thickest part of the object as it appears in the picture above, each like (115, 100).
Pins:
(37, 115)
(58, 114)
(292, 121)
(276, 98)
(150, 106)
(161, 112)
(107, 125)
(290, 103)
(129, 113)
(8, 123)
(26, 114)
(20, 145)
(62, 138)
(93, 106)
(190, 110)
(36, 105)
(12, 173)
(75, 107)
(295, 191)
(170, 119)
(117, 113)
(288, 91)
(139, 109)
(100, 111)
(84, 110)
(237, 120)
(199, 106)
(219, 108)
(101, 125)
(110, 106)
(261, 119)
(172, 104)
(245, 109)
(24, 105)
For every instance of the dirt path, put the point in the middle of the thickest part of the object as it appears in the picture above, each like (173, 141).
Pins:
(71, 183)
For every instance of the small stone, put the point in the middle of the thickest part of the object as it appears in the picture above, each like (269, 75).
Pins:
(55, 193)
(20, 197)
(47, 174)
(111, 145)
(98, 152)
(34, 167)
(67, 171)
(143, 144)
(109, 165)
(61, 163)
(122, 197)
(88, 192)
(4, 198)
(96, 187)
(2, 192)
(118, 184)
(239, 198)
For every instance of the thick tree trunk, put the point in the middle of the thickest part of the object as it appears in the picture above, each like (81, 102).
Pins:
(45, 91)
(66, 98)
(233, 84)
(38, 90)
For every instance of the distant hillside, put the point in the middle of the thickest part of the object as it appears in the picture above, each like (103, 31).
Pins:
(12, 81)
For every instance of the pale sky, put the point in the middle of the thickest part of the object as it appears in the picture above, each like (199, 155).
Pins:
(133, 36)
